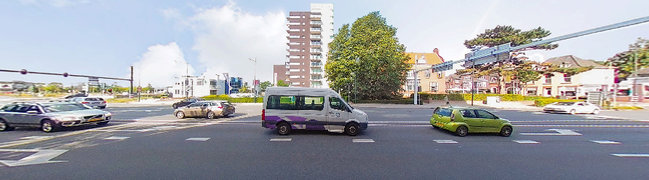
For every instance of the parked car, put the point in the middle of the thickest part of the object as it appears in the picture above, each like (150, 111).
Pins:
(467, 120)
(94, 102)
(186, 102)
(50, 116)
(571, 107)
(208, 109)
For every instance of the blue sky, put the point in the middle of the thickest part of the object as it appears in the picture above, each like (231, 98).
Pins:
(163, 38)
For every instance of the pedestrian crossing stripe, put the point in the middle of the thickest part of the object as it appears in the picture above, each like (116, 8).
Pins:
(363, 140)
(281, 140)
(526, 142)
(116, 138)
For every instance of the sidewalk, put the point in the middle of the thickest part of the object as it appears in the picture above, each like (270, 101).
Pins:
(523, 106)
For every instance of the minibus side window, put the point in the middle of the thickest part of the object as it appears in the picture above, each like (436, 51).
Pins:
(281, 102)
(311, 102)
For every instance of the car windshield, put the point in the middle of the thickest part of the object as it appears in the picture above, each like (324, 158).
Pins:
(565, 103)
(64, 107)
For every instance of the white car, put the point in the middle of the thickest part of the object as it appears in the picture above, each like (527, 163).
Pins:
(571, 107)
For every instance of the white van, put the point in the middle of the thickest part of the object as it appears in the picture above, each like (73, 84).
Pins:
(288, 108)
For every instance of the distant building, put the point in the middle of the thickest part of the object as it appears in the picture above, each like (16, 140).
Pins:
(310, 33)
(427, 81)
(638, 84)
(197, 86)
(599, 78)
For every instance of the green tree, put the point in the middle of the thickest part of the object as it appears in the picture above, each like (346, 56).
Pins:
(244, 88)
(148, 89)
(514, 68)
(264, 85)
(54, 87)
(281, 83)
(626, 61)
(367, 55)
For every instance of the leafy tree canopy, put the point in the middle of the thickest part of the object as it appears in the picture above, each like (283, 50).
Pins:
(626, 61)
(506, 34)
(367, 60)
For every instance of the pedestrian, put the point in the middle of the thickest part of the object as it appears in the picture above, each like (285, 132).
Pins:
(446, 99)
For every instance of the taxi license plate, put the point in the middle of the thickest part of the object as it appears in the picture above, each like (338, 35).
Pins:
(95, 119)
(439, 124)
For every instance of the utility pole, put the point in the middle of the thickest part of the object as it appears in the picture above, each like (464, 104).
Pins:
(472, 82)
(130, 90)
(414, 73)
(254, 79)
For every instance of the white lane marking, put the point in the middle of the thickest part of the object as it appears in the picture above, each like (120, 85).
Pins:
(584, 126)
(538, 113)
(39, 157)
(164, 127)
(35, 137)
(632, 155)
(559, 132)
(605, 142)
(363, 140)
(445, 141)
(526, 142)
(281, 139)
(197, 139)
(116, 138)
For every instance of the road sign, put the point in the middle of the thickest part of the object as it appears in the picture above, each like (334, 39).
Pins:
(484, 56)
(93, 81)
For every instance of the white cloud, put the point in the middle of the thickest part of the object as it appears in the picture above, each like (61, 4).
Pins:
(161, 65)
(55, 3)
(226, 37)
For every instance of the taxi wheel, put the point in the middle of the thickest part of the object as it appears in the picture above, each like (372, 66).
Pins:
(506, 131)
(180, 115)
(352, 129)
(461, 131)
(48, 126)
(573, 112)
(283, 128)
(102, 123)
(210, 115)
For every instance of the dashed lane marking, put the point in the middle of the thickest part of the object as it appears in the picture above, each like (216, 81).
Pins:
(35, 137)
(526, 142)
(197, 139)
(445, 141)
(116, 138)
(582, 126)
(605, 142)
(281, 140)
(632, 155)
(363, 140)
(558, 132)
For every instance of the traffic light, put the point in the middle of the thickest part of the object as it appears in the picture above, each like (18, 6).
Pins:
(65, 74)
(23, 71)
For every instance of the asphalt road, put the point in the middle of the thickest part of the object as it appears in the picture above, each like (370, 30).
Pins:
(397, 145)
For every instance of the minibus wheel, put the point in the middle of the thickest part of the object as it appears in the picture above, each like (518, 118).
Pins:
(283, 128)
(352, 129)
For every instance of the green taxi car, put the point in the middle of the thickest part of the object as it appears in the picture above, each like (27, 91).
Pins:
(467, 120)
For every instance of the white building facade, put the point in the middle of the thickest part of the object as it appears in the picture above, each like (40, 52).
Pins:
(196, 86)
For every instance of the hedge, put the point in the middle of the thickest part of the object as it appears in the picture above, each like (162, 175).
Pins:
(543, 102)
(467, 97)
(233, 100)
(388, 101)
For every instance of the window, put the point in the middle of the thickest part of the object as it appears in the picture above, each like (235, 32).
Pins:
(199, 83)
(567, 78)
(467, 113)
(484, 114)
(443, 112)
(548, 79)
(337, 103)
(433, 86)
(311, 103)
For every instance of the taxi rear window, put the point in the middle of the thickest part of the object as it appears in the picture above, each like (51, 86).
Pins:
(443, 112)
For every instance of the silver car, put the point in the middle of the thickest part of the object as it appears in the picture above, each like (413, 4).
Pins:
(208, 109)
(94, 102)
(50, 116)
